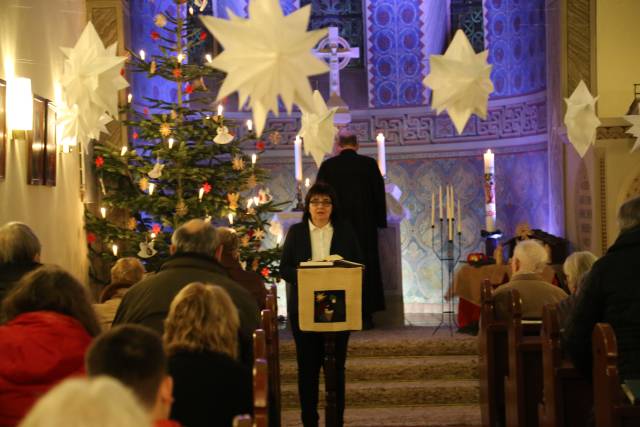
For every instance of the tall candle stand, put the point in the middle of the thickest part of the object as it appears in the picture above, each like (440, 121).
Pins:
(299, 199)
(449, 255)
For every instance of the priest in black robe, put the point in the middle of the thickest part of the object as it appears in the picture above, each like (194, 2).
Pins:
(360, 188)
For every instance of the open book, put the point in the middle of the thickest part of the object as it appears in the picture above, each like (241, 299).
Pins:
(331, 261)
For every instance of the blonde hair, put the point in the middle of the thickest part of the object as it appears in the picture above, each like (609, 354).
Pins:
(202, 317)
(81, 402)
(127, 270)
(576, 267)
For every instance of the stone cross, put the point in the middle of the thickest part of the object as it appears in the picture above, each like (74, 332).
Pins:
(335, 50)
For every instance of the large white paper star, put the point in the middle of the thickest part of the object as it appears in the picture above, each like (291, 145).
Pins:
(460, 80)
(634, 130)
(266, 56)
(318, 129)
(581, 119)
(90, 81)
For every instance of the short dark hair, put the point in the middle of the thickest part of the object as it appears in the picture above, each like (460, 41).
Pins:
(51, 288)
(132, 354)
(321, 188)
(629, 215)
(347, 139)
(18, 243)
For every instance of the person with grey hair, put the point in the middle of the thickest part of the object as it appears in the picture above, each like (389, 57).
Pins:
(19, 254)
(528, 261)
(611, 294)
(575, 267)
(195, 257)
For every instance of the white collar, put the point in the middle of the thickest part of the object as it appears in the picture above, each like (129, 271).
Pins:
(313, 227)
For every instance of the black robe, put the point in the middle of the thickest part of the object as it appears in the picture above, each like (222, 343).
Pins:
(360, 188)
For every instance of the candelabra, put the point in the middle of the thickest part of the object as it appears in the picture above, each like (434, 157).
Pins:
(449, 255)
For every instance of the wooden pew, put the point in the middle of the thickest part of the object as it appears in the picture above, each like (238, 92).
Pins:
(566, 394)
(611, 406)
(242, 421)
(273, 350)
(492, 347)
(260, 380)
(523, 383)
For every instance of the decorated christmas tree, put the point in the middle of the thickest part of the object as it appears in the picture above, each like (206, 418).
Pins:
(182, 161)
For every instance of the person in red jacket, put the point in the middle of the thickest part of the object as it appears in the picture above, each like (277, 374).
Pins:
(48, 326)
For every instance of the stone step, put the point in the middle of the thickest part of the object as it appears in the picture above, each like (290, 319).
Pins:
(372, 394)
(396, 416)
(398, 368)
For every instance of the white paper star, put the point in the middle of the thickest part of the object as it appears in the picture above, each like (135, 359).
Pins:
(581, 119)
(90, 81)
(634, 130)
(223, 136)
(460, 80)
(318, 129)
(156, 172)
(266, 56)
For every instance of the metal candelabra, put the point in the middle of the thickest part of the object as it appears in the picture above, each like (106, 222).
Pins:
(449, 255)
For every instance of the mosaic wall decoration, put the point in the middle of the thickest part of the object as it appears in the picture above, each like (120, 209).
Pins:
(520, 197)
(515, 37)
(467, 15)
(395, 52)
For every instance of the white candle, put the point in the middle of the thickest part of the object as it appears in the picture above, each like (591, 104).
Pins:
(208, 57)
(250, 125)
(453, 206)
(297, 157)
(200, 194)
(123, 150)
(230, 218)
(103, 212)
(382, 158)
(489, 191)
(254, 159)
(307, 183)
(249, 203)
(220, 109)
(129, 98)
(459, 219)
(143, 55)
(114, 249)
(433, 209)
(256, 200)
(170, 141)
(152, 187)
(440, 200)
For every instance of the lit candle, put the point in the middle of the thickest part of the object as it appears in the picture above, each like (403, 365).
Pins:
(230, 216)
(170, 141)
(153, 235)
(297, 157)
(129, 98)
(450, 224)
(220, 109)
(489, 191)
(103, 212)
(249, 125)
(459, 219)
(452, 202)
(114, 249)
(190, 10)
(440, 200)
(249, 203)
(200, 194)
(123, 150)
(143, 55)
(256, 200)
(382, 159)
(433, 209)
(254, 159)
(180, 57)
(152, 187)
(208, 57)
(307, 183)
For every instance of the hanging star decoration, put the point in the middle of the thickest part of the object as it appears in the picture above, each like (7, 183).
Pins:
(460, 80)
(143, 184)
(147, 250)
(201, 4)
(252, 181)
(156, 172)
(132, 223)
(223, 136)
(244, 241)
(634, 130)
(275, 227)
(581, 119)
(237, 164)
(90, 82)
(233, 200)
(266, 56)
(165, 129)
(259, 234)
(318, 129)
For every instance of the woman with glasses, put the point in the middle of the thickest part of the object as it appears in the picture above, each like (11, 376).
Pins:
(319, 235)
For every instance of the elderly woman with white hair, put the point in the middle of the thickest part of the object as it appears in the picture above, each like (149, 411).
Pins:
(575, 267)
(528, 261)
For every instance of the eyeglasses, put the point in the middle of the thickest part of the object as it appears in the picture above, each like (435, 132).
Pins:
(320, 202)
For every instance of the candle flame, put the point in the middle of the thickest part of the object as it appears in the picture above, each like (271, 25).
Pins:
(152, 187)
(103, 212)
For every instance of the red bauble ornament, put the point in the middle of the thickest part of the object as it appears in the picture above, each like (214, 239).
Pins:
(203, 36)
(91, 238)
(145, 111)
(260, 145)
(156, 228)
(206, 187)
(188, 89)
(155, 35)
(99, 161)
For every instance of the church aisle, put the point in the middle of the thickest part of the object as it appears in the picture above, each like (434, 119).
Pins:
(399, 377)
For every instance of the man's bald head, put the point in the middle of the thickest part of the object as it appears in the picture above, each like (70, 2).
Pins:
(195, 236)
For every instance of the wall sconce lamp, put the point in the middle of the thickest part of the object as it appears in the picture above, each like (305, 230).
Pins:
(19, 106)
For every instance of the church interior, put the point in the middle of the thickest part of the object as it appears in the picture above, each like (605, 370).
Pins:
(550, 153)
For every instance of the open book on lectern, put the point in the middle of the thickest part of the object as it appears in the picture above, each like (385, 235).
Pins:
(331, 261)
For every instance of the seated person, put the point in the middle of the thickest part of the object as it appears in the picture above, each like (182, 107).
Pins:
(211, 386)
(576, 267)
(49, 326)
(528, 261)
(19, 254)
(87, 402)
(125, 273)
(230, 260)
(133, 355)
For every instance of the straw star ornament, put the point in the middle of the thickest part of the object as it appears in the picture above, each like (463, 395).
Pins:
(581, 119)
(460, 80)
(267, 56)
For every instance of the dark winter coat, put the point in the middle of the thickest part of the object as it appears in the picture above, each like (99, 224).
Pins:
(11, 273)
